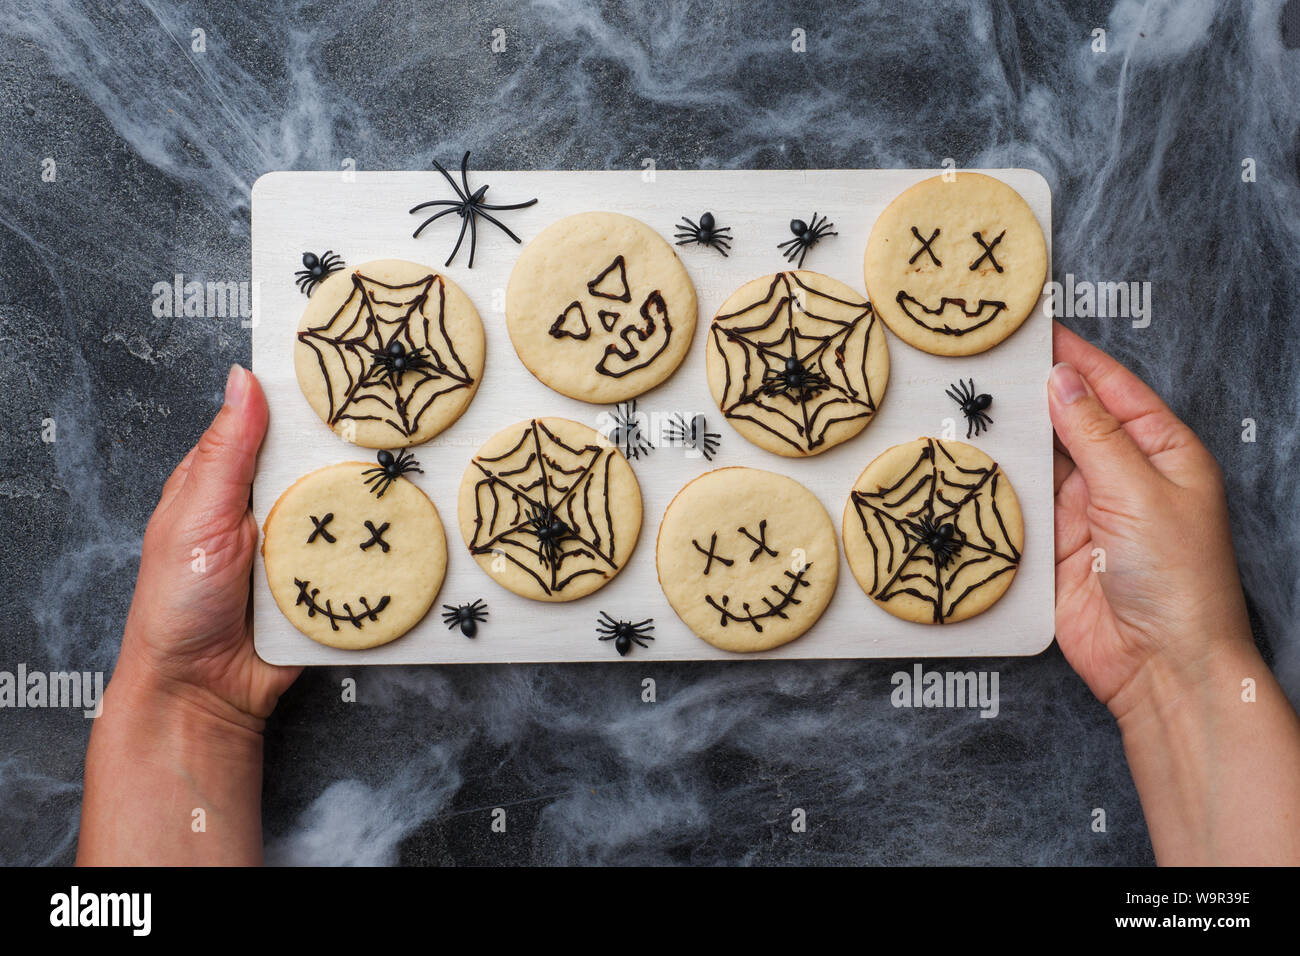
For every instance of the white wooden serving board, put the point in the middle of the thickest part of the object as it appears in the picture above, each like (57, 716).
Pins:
(366, 217)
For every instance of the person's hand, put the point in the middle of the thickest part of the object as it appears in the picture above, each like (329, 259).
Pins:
(190, 625)
(1145, 573)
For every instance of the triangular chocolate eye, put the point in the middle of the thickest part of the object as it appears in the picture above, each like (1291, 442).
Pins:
(572, 322)
(607, 320)
(612, 283)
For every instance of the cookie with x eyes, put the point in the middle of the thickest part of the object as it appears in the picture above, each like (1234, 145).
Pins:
(349, 567)
(955, 266)
(933, 531)
(748, 559)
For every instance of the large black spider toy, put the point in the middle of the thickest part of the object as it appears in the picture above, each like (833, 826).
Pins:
(624, 633)
(627, 433)
(465, 616)
(389, 470)
(806, 235)
(469, 206)
(694, 435)
(943, 540)
(706, 232)
(794, 380)
(550, 531)
(972, 406)
(316, 269)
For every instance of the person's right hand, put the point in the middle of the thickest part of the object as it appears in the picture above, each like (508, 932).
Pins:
(1138, 494)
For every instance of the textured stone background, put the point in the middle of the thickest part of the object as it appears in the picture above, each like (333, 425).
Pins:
(156, 147)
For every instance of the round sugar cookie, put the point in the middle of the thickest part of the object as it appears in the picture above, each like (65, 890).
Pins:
(955, 267)
(933, 531)
(348, 567)
(797, 362)
(747, 558)
(600, 308)
(550, 509)
(389, 353)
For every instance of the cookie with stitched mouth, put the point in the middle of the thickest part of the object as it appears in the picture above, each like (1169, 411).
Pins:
(955, 266)
(747, 558)
(349, 566)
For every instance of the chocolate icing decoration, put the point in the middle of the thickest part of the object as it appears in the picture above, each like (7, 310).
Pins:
(608, 319)
(945, 329)
(465, 616)
(654, 312)
(469, 206)
(319, 528)
(760, 541)
(711, 554)
(926, 247)
(376, 537)
(536, 483)
(316, 269)
(934, 493)
(620, 281)
(988, 251)
(362, 334)
(572, 326)
(624, 633)
(793, 382)
(355, 618)
(706, 232)
(785, 598)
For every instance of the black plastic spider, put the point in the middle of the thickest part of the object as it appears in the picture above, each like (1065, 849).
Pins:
(396, 360)
(465, 616)
(805, 237)
(627, 433)
(705, 233)
(972, 405)
(317, 268)
(943, 540)
(695, 435)
(389, 470)
(469, 206)
(624, 633)
(793, 381)
(550, 532)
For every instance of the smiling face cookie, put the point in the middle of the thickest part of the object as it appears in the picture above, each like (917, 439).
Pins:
(933, 531)
(600, 308)
(954, 267)
(747, 558)
(389, 353)
(350, 568)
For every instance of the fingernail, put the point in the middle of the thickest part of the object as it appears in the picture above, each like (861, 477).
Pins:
(1066, 384)
(236, 386)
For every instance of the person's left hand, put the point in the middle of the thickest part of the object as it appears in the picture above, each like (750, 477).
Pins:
(190, 629)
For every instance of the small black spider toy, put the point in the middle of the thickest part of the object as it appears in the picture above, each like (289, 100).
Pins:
(705, 233)
(695, 436)
(624, 633)
(551, 532)
(317, 269)
(627, 433)
(805, 237)
(972, 406)
(943, 540)
(389, 470)
(469, 206)
(794, 381)
(395, 359)
(465, 616)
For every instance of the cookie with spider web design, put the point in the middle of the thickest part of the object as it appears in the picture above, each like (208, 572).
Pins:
(797, 362)
(550, 509)
(933, 531)
(389, 354)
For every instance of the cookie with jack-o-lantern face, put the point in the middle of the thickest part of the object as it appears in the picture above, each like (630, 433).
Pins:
(351, 567)
(600, 308)
(747, 558)
(955, 265)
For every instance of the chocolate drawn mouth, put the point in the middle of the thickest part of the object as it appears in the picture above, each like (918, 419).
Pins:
(355, 618)
(984, 312)
(785, 597)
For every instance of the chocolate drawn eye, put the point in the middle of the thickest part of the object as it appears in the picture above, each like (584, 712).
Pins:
(988, 250)
(376, 537)
(319, 529)
(925, 247)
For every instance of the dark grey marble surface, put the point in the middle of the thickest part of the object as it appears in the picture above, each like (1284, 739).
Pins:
(156, 146)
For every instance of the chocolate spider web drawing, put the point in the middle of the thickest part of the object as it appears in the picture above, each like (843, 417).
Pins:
(350, 348)
(935, 490)
(541, 478)
(758, 370)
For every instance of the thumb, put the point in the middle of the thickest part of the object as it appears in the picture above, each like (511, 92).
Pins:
(1111, 463)
(221, 471)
